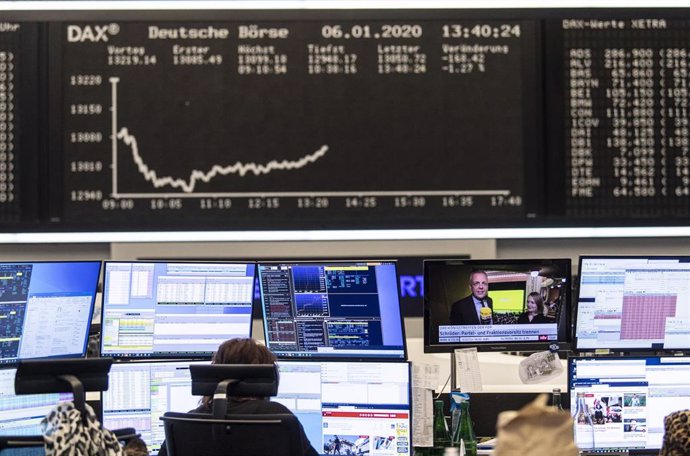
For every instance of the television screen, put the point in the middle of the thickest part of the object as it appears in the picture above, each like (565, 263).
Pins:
(496, 304)
(140, 393)
(350, 407)
(633, 303)
(345, 309)
(624, 400)
(21, 415)
(174, 309)
(46, 308)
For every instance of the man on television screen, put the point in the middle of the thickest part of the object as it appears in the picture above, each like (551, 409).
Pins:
(477, 308)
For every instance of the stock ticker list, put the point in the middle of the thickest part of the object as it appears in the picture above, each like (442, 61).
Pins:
(10, 76)
(296, 121)
(627, 120)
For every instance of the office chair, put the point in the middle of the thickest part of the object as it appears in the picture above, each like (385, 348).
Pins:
(192, 434)
(54, 376)
(21, 445)
(223, 434)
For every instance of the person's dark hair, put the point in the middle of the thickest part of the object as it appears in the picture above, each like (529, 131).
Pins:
(538, 301)
(240, 351)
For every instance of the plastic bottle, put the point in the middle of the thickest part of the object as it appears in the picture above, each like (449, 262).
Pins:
(584, 425)
(463, 434)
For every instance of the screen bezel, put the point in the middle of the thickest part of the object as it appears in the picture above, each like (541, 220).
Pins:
(192, 356)
(330, 356)
(564, 334)
(576, 303)
(5, 362)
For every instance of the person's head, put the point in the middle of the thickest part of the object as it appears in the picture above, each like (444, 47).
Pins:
(243, 351)
(479, 284)
(535, 304)
(240, 351)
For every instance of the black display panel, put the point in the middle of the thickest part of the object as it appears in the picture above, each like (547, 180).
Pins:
(496, 305)
(332, 309)
(626, 127)
(19, 92)
(318, 119)
(261, 115)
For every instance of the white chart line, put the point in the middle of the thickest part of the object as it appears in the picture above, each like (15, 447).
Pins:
(196, 175)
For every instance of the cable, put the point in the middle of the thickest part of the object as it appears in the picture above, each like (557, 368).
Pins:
(443, 387)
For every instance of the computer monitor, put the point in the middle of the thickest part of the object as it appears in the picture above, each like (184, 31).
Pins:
(21, 415)
(633, 303)
(362, 407)
(626, 399)
(332, 309)
(141, 392)
(46, 308)
(496, 305)
(174, 309)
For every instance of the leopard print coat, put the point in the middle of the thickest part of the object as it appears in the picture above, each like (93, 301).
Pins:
(65, 434)
(677, 435)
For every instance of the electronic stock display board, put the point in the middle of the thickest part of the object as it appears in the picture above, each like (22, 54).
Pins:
(344, 119)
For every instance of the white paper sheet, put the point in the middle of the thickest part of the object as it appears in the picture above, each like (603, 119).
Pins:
(467, 374)
(425, 375)
(422, 418)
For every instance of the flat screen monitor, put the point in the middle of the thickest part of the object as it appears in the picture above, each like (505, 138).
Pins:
(350, 407)
(626, 400)
(496, 305)
(346, 309)
(633, 303)
(46, 308)
(174, 309)
(21, 415)
(140, 393)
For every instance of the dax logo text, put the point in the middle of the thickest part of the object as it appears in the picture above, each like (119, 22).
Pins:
(91, 33)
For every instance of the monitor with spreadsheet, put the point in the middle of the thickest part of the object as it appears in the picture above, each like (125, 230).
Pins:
(337, 309)
(141, 392)
(174, 309)
(46, 308)
(496, 305)
(624, 400)
(633, 303)
(350, 407)
(22, 414)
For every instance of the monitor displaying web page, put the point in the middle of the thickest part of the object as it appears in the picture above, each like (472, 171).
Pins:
(174, 309)
(46, 308)
(332, 309)
(21, 415)
(350, 407)
(633, 303)
(140, 393)
(627, 399)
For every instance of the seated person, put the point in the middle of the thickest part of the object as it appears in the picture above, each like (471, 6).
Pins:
(246, 351)
(535, 310)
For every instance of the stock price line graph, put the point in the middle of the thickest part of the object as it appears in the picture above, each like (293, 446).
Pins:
(295, 124)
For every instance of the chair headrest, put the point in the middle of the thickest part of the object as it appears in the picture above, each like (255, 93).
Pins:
(46, 375)
(246, 380)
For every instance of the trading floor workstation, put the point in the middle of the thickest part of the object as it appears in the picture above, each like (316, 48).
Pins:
(337, 330)
(336, 327)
